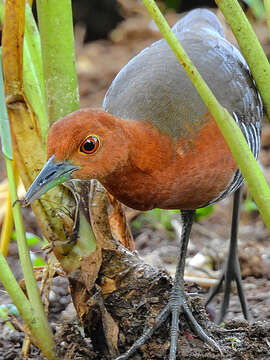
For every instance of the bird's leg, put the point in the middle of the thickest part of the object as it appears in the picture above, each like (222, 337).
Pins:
(232, 270)
(177, 298)
(177, 301)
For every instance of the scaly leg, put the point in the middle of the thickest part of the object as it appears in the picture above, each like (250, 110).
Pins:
(232, 270)
(176, 301)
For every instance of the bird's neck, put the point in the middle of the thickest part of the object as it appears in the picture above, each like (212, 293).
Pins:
(148, 152)
(148, 148)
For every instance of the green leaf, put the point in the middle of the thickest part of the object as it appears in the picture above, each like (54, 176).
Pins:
(38, 262)
(156, 218)
(249, 205)
(204, 212)
(31, 239)
(256, 7)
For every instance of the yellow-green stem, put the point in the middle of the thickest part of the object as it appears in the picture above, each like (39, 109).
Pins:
(15, 292)
(267, 13)
(44, 331)
(58, 54)
(23, 305)
(250, 47)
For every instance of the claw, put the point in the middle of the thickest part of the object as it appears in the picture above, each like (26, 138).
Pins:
(176, 302)
(232, 270)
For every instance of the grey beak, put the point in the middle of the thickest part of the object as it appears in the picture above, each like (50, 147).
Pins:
(52, 174)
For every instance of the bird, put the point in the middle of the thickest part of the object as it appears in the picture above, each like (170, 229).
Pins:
(155, 144)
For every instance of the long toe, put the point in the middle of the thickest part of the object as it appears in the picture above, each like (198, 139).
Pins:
(232, 273)
(232, 270)
(173, 307)
(214, 290)
(198, 329)
(178, 301)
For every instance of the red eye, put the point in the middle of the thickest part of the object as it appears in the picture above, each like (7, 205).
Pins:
(90, 145)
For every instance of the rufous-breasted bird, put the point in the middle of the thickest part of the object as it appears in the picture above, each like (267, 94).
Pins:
(155, 144)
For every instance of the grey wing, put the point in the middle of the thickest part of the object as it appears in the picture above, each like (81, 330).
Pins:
(252, 133)
(242, 100)
(225, 70)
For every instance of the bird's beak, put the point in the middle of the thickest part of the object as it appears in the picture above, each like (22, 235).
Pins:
(52, 174)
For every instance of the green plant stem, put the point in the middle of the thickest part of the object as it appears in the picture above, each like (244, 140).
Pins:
(231, 132)
(15, 292)
(6, 276)
(2, 12)
(33, 79)
(19, 299)
(44, 334)
(58, 54)
(267, 13)
(250, 47)
(44, 331)
(24, 307)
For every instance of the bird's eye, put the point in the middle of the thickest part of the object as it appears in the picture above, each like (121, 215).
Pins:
(90, 145)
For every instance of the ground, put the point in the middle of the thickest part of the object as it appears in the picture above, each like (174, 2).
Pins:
(97, 64)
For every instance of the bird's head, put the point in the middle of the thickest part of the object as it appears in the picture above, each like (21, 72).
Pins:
(87, 144)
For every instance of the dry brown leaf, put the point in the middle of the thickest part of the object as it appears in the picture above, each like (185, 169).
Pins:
(118, 222)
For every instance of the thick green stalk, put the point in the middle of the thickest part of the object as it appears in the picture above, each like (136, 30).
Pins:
(23, 305)
(26, 138)
(57, 41)
(2, 11)
(58, 54)
(250, 47)
(44, 331)
(267, 13)
(15, 292)
(233, 135)
(30, 281)
(32, 289)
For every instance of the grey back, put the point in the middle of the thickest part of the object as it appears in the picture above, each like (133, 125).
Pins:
(153, 86)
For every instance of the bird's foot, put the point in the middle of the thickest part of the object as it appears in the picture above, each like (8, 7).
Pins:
(231, 273)
(232, 270)
(176, 302)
